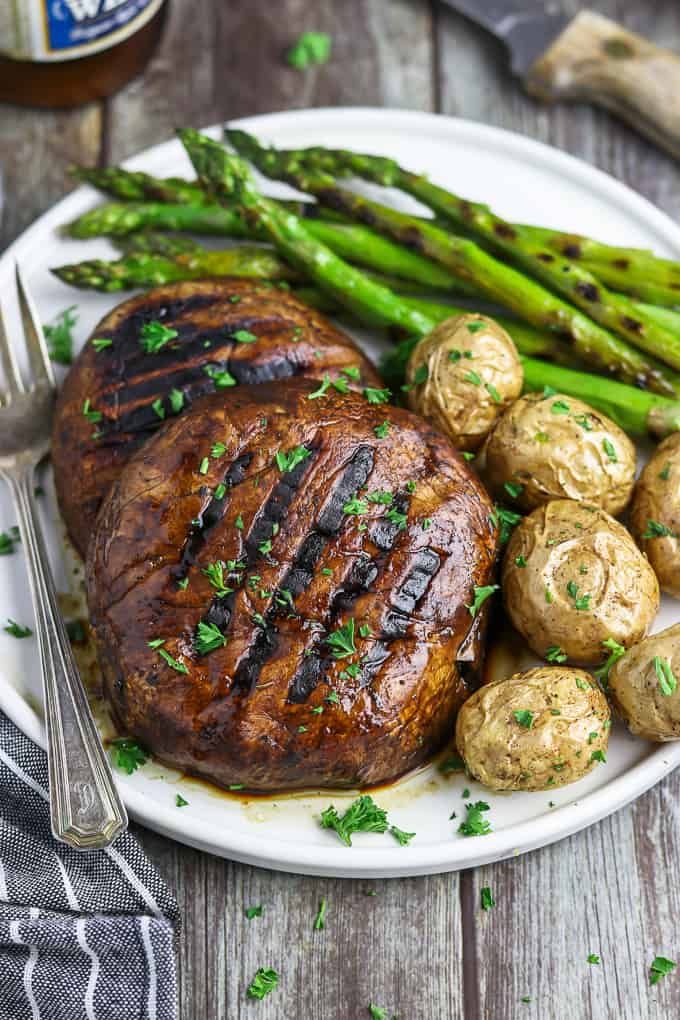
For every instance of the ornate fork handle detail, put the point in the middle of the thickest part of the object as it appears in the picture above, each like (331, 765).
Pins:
(86, 810)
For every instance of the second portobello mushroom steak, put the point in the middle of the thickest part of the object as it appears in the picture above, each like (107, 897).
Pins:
(158, 352)
(280, 588)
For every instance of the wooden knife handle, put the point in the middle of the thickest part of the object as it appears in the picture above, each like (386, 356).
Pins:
(595, 59)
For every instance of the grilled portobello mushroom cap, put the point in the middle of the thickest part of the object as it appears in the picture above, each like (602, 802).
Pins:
(279, 588)
(117, 394)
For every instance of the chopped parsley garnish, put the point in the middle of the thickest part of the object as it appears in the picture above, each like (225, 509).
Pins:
(472, 377)
(475, 823)
(363, 815)
(524, 717)
(342, 640)
(218, 450)
(549, 391)
(454, 763)
(660, 967)
(355, 506)
(514, 489)
(488, 902)
(155, 335)
(377, 1012)
(203, 466)
(572, 589)
(352, 372)
(549, 597)
(598, 756)
(520, 561)
(581, 602)
(287, 461)
(397, 517)
(541, 437)
(16, 630)
(320, 920)
(220, 376)
(474, 327)
(382, 431)
(383, 497)
(584, 421)
(560, 407)
(244, 336)
(420, 375)
(179, 667)
(264, 982)
(322, 390)
(101, 343)
(364, 630)
(555, 654)
(616, 651)
(326, 571)
(664, 474)
(376, 396)
(402, 838)
(252, 912)
(610, 450)
(93, 416)
(180, 801)
(505, 521)
(59, 336)
(129, 755)
(215, 574)
(481, 594)
(265, 547)
(176, 400)
(657, 530)
(219, 493)
(158, 408)
(466, 455)
(208, 638)
(9, 540)
(665, 675)
(310, 48)
(493, 393)
(332, 698)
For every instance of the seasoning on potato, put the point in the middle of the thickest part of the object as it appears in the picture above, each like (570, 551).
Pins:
(546, 727)
(550, 446)
(574, 578)
(645, 686)
(462, 376)
(655, 513)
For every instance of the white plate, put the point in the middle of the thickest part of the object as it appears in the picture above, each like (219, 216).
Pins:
(523, 180)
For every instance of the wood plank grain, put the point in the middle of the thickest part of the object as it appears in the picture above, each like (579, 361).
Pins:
(223, 60)
(36, 148)
(606, 890)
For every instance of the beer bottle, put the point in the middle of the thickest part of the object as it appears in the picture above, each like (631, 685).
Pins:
(60, 53)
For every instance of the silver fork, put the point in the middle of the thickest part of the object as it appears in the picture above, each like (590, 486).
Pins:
(85, 808)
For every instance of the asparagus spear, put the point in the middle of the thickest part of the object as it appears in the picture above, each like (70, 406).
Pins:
(151, 270)
(614, 312)
(228, 178)
(139, 187)
(630, 270)
(498, 282)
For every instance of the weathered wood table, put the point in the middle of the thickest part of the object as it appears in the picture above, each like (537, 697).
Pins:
(420, 947)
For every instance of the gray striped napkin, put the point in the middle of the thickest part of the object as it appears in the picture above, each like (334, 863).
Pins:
(83, 936)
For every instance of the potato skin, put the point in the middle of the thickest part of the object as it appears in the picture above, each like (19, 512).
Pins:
(657, 498)
(636, 691)
(567, 708)
(548, 452)
(451, 398)
(565, 543)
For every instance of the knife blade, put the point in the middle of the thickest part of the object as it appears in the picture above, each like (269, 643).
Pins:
(586, 57)
(526, 27)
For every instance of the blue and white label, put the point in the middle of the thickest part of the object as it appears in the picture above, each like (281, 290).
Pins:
(66, 29)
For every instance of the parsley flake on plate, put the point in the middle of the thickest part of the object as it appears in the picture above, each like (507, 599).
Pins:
(176, 400)
(514, 489)
(610, 450)
(524, 717)
(555, 654)
(488, 902)
(593, 958)
(100, 343)
(16, 630)
(244, 336)
(615, 652)
(657, 530)
(154, 335)
(9, 541)
(128, 754)
(665, 675)
(287, 461)
(475, 823)
(208, 638)
(379, 496)
(59, 336)
(158, 408)
(355, 507)
(397, 517)
(252, 912)
(560, 407)
(481, 594)
(180, 801)
(322, 390)
(320, 920)
(264, 982)
(382, 431)
(659, 968)
(89, 413)
(220, 376)
(376, 396)
(342, 640)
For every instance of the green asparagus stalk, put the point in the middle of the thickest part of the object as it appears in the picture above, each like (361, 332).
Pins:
(500, 283)
(615, 312)
(139, 187)
(228, 178)
(351, 241)
(630, 270)
(151, 270)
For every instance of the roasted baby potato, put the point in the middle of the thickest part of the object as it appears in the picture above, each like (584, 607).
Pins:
(535, 730)
(462, 376)
(644, 686)
(655, 513)
(572, 578)
(556, 447)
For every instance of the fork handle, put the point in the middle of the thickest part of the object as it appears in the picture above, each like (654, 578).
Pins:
(85, 808)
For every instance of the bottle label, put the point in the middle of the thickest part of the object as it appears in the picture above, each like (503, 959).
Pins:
(49, 30)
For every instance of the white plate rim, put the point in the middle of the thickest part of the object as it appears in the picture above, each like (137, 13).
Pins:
(380, 861)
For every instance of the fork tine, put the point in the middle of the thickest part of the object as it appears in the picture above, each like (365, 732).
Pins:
(33, 333)
(10, 367)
